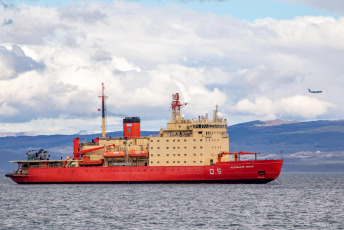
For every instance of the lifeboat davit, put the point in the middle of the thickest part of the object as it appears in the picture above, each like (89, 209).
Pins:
(109, 154)
(134, 153)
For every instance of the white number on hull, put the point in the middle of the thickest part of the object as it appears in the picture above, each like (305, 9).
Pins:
(212, 171)
(219, 171)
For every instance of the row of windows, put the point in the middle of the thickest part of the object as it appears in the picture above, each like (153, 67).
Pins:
(201, 147)
(213, 140)
(210, 133)
(174, 140)
(167, 162)
(193, 140)
(208, 126)
(176, 154)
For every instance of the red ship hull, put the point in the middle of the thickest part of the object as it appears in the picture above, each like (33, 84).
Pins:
(257, 171)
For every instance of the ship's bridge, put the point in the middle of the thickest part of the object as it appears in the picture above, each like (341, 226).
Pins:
(194, 127)
(209, 125)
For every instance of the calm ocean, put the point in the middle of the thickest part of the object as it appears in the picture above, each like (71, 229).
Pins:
(300, 201)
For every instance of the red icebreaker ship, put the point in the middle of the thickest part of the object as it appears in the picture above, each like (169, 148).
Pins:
(186, 151)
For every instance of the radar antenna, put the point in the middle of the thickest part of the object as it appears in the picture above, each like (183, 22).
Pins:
(176, 105)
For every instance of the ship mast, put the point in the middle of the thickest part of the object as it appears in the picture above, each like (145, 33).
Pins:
(103, 97)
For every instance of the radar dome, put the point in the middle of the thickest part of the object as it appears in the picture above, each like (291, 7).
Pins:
(182, 116)
(219, 116)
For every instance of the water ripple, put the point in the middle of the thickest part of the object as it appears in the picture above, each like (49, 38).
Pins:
(302, 201)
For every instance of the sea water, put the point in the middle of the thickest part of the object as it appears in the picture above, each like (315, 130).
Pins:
(295, 201)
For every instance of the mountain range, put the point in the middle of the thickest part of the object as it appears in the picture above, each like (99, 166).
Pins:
(10, 134)
(315, 146)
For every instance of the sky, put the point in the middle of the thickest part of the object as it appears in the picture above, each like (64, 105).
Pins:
(255, 59)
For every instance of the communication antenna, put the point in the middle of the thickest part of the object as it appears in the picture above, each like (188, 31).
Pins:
(176, 105)
(215, 113)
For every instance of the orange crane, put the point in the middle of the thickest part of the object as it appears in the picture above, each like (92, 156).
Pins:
(78, 153)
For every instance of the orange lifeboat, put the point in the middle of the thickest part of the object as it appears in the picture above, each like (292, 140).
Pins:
(134, 153)
(109, 154)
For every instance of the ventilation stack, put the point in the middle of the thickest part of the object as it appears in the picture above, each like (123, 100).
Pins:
(131, 127)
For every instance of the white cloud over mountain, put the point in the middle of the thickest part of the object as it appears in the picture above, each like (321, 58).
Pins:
(297, 106)
(53, 60)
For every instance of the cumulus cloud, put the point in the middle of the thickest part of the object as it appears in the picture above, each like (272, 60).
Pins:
(74, 13)
(335, 6)
(14, 61)
(302, 106)
(53, 61)
(6, 110)
(297, 106)
(7, 22)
